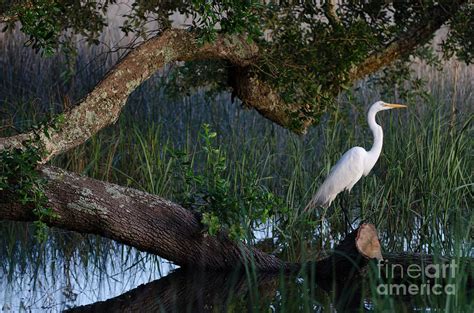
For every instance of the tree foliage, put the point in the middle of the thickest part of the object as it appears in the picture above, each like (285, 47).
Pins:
(307, 48)
(18, 176)
(308, 52)
(209, 191)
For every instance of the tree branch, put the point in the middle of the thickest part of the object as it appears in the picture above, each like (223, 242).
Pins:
(8, 18)
(102, 106)
(417, 35)
(9, 15)
(330, 12)
(259, 95)
(152, 224)
(135, 218)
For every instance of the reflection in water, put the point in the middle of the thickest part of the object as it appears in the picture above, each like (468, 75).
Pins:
(243, 291)
(43, 278)
(188, 291)
(68, 270)
(73, 271)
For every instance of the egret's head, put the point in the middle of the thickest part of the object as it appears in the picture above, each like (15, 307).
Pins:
(380, 106)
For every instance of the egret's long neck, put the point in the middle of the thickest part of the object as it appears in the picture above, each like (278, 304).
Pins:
(377, 132)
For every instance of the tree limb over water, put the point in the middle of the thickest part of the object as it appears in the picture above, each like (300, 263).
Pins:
(191, 291)
(102, 106)
(153, 224)
(156, 225)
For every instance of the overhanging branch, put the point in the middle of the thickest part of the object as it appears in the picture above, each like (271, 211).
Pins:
(260, 95)
(153, 224)
(417, 35)
(144, 221)
(8, 18)
(102, 106)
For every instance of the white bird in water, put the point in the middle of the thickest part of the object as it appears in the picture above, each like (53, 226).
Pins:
(354, 164)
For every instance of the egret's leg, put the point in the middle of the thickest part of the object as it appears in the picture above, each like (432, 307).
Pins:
(347, 220)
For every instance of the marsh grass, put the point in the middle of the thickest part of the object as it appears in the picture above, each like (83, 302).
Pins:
(419, 195)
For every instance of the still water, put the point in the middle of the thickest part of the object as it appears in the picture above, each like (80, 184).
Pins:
(76, 273)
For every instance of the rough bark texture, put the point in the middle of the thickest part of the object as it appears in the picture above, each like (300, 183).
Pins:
(259, 95)
(151, 224)
(138, 219)
(102, 106)
(8, 18)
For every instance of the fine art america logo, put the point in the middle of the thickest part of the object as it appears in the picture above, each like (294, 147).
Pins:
(428, 278)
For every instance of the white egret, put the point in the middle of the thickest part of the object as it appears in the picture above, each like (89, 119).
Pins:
(354, 164)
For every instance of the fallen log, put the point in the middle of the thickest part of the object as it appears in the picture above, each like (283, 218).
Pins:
(155, 225)
(417, 268)
(350, 256)
(188, 290)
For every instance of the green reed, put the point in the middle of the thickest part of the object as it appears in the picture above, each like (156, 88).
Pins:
(419, 195)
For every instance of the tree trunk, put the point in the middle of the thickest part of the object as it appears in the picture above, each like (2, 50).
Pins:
(138, 219)
(148, 222)
(153, 224)
(102, 106)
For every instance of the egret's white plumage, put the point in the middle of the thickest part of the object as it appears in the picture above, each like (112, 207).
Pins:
(353, 164)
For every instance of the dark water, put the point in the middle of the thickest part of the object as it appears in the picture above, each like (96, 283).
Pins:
(129, 281)
(193, 291)
(85, 273)
(79, 273)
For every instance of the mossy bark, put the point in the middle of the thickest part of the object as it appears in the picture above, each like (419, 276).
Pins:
(153, 224)
(102, 106)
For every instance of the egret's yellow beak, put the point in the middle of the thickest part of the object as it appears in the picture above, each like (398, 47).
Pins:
(395, 106)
